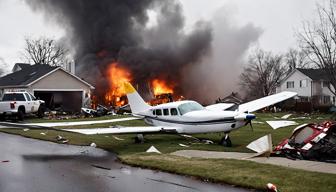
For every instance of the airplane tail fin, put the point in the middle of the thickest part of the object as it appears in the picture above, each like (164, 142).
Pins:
(135, 101)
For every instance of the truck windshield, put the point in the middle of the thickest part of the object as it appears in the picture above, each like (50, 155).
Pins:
(188, 107)
(13, 97)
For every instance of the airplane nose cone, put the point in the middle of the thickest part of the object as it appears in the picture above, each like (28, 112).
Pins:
(244, 116)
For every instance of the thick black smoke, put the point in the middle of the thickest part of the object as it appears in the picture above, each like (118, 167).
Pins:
(104, 31)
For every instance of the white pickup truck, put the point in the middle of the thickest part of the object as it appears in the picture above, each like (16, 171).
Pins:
(20, 103)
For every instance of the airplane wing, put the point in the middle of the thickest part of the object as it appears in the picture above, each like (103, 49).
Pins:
(124, 130)
(74, 123)
(219, 106)
(265, 101)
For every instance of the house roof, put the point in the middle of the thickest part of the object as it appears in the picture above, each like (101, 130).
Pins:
(31, 74)
(27, 75)
(22, 65)
(314, 74)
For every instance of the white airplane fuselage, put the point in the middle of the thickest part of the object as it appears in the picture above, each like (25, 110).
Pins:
(200, 120)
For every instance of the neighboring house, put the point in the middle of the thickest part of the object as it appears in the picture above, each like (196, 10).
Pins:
(312, 86)
(232, 98)
(57, 87)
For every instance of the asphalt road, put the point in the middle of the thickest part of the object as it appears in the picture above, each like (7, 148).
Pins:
(29, 165)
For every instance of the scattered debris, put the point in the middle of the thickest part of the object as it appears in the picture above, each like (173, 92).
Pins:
(25, 129)
(117, 138)
(93, 145)
(279, 124)
(286, 116)
(100, 167)
(42, 133)
(177, 184)
(182, 145)
(258, 122)
(100, 111)
(85, 151)
(125, 170)
(310, 142)
(206, 141)
(271, 187)
(61, 139)
(262, 145)
(5, 161)
(152, 149)
(190, 137)
(298, 118)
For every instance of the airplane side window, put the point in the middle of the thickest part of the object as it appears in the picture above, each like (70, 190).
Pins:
(165, 112)
(158, 112)
(173, 111)
(153, 112)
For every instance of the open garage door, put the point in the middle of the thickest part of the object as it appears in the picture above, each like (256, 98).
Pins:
(69, 101)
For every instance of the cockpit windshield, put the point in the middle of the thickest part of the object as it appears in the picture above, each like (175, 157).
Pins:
(188, 107)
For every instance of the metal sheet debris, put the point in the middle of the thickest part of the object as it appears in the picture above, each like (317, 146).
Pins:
(183, 145)
(286, 116)
(261, 145)
(152, 149)
(117, 138)
(279, 124)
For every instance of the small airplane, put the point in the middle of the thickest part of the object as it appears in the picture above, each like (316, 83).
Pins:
(188, 117)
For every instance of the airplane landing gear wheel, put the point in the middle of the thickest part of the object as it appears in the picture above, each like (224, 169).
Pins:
(226, 141)
(139, 138)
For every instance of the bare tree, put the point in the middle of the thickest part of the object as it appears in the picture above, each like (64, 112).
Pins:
(44, 51)
(263, 73)
(3, 66)
(295, 58)
(318, 39)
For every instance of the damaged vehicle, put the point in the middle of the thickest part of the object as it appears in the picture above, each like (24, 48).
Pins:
(310, 142)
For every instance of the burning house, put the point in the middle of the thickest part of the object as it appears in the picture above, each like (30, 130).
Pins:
(114, 43)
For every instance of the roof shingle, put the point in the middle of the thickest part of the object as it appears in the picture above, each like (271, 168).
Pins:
(26, 75)
(314, 74)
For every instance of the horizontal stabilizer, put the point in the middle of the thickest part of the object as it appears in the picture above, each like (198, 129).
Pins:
(266, 101)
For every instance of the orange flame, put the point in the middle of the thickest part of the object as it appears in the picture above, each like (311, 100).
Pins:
(117, 76)
(160, 87)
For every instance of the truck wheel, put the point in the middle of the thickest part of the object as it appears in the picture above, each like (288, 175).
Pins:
(40, 112)
(20, 115)
(2, 117)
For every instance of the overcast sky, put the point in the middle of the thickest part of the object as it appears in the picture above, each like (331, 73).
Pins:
(278, 19)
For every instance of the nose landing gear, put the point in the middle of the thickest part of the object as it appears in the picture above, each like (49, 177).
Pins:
(226, 141)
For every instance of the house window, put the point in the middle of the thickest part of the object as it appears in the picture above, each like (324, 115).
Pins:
(303, 83)
(290, 84)
(326, 99)
(325, 83)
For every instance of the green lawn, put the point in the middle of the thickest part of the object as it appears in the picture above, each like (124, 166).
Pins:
(243, 173)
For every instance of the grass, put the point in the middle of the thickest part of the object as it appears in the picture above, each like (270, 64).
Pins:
(242, 173)
(237, 172)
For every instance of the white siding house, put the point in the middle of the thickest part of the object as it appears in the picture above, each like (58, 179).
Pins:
(312, 85)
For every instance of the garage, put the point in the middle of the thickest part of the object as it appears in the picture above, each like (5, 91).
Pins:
(59, 100)
(60, 89)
